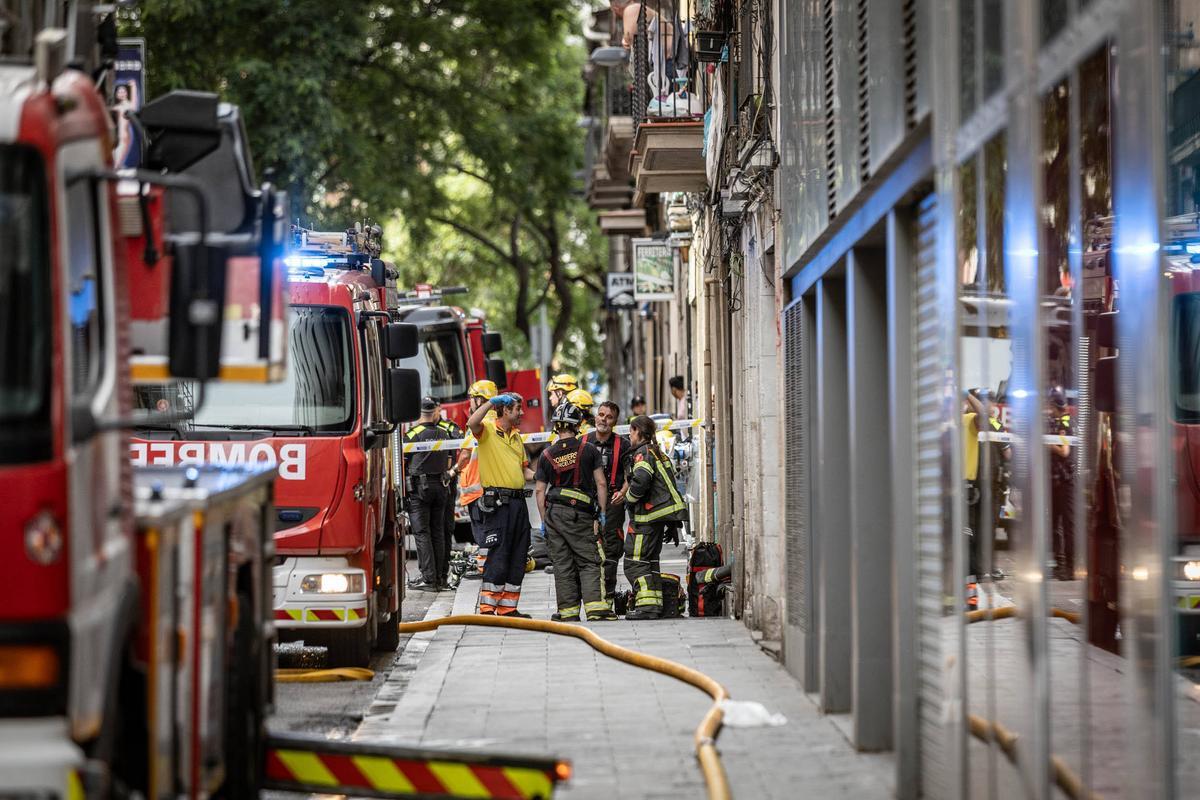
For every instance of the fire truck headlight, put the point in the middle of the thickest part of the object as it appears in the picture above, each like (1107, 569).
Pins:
(43, 539)
(332, 583)
(28, 666)
(1191, 570)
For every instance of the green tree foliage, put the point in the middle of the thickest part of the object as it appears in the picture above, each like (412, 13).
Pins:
(451, 120)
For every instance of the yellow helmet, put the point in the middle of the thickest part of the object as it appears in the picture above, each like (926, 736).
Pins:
(581, 399)
(563, 381)
(485, 390)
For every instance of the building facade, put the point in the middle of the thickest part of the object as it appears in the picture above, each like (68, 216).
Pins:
(937, 309)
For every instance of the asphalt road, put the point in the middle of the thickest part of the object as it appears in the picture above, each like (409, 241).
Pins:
(335, 709)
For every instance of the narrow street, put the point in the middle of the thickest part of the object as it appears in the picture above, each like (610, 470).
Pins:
(627, 731)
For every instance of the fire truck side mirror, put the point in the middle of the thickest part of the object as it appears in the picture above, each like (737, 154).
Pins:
(400, 340)
(1104, 385)
(497, 373)
(402, 395)
(197, 311)
(491, 342)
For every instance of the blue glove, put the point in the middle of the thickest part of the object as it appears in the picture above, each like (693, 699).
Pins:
(543, 529)
(502, 401)
(603, 516)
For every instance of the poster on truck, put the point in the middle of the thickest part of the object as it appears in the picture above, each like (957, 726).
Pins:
(128, 93)
(653, 270)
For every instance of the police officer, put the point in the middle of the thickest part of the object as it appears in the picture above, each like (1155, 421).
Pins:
(637, 407)
(616, 452)
(426, 474)
(453, 432)
(1062, 486)
(582, 399)
(571, 491)
(654, 502)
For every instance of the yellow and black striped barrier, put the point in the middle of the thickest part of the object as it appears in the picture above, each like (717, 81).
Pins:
(305, 764)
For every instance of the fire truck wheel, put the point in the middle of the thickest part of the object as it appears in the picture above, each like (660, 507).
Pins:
(350, 647)
(244, 728)
(388, 635)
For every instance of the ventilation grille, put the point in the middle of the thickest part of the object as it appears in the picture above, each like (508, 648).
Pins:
(830, 88)
(908, 15)
(930, 510)
(863, 91)
(796, 475)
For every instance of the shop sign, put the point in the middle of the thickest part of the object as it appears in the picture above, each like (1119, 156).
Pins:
(653, 269)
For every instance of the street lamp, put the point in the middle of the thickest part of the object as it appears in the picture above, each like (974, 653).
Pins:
(609, 57)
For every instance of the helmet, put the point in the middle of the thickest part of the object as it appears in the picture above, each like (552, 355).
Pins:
(568, 414)
(484, 390)
(564, 381)
(581, 398)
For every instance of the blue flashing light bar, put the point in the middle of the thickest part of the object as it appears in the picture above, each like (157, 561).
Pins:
(301, 262)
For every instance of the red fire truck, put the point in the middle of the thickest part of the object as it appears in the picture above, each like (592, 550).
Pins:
(83, 659)
(456, 350)
(339, 578)
(135, 626)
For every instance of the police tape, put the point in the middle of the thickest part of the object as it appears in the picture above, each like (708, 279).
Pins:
(534, 438)
(1049, 438)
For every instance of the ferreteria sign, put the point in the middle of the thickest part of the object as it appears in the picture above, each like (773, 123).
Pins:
(653, 270)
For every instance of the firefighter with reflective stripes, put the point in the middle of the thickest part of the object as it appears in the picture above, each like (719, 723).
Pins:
(503, 516)
(425, 475)
(655, 503)
(468, 465)
(571, 492)
(616, 452)
(582, 399)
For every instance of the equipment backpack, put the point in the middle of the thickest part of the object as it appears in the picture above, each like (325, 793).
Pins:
(704, 599)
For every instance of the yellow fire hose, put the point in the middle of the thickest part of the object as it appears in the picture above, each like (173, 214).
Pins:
(987, 731)
(706, 732)
(298, 675)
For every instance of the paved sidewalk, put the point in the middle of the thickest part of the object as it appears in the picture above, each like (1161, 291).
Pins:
(628, 731)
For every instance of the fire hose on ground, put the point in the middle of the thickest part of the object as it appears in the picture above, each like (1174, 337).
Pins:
(706, 732)
(988, 731)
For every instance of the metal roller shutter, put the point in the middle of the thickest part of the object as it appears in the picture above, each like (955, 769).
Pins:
(796, 476)
(928, 365)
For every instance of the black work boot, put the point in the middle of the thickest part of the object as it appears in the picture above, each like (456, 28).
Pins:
(643, 613)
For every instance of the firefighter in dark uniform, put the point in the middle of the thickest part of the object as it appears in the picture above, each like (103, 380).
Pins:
(1062, 487)
(615, 455)
(572, 492)
(425, 475)
(452, 432)
(654, 502)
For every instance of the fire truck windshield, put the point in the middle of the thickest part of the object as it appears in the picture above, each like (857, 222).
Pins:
(442, 364)
(1185, 341)
(25, 316)
(317, 395)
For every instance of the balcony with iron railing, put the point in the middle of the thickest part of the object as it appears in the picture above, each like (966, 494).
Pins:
(669, 100)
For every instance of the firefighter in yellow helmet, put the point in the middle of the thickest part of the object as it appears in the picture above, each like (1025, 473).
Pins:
(559, 386)
(582, 399)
